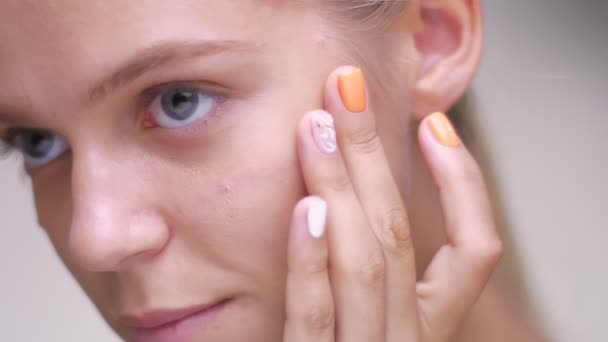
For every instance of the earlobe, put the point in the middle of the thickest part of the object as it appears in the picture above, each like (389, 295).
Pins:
(449, 44)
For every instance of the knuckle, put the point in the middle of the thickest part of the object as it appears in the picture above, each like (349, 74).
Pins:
(487, 253)
(494, 250)
(315, 268)
(339, 184)
(319, 318)
(364, 141)
(393, 231)
(371, 271)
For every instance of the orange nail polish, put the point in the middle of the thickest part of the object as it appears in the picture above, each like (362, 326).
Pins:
(443, 130)
(352, 90)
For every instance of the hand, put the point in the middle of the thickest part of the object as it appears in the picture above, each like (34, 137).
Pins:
(351, 268)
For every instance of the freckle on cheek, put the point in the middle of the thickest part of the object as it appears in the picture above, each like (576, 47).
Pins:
(224, 188)
(322, 41)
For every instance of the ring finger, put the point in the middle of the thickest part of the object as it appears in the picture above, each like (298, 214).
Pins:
(356, 261)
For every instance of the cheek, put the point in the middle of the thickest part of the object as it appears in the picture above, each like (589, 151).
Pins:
(265, 199)
(237, 215)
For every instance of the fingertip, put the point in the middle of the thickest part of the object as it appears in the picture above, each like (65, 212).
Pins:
(309, 218)
(317, 217)
(439, 129)
(308, 122)
(446, 156)
(346, 90)
(438, 138)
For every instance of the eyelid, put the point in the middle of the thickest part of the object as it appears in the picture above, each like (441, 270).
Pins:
(209, 88)
(9, 143)
(9, 135)
(6, 148)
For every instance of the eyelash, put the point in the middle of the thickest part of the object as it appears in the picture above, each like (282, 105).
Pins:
(7, 141)
(7, 138)
(148, 96)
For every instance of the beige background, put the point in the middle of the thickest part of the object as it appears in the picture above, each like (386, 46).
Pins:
(541, 94)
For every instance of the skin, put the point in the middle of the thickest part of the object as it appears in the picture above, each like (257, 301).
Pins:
(150, 218)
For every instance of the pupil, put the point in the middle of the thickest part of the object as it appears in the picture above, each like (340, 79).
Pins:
(180, 105)
(38, 144)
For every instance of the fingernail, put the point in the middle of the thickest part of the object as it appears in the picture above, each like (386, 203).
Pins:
(351, 85)
(324, 132)
(443, 130)
(317, 217)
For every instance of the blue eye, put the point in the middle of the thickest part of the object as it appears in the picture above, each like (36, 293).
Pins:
(40, 147)
(181, 106)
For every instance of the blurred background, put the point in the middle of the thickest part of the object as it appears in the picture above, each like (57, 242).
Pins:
(540, 99)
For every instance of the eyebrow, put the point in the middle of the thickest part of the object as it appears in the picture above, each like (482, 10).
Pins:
(160, 54)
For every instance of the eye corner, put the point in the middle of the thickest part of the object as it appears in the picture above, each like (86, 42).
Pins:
(147, 120)
(6, 149)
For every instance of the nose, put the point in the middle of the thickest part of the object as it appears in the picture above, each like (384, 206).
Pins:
(114, 223)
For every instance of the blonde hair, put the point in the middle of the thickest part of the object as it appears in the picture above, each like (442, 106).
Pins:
(369, 14)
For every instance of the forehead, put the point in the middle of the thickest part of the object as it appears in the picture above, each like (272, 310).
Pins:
(87, 27)
(72, 41)
(74, 18)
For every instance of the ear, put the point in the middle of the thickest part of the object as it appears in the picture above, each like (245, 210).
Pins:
(449, 43)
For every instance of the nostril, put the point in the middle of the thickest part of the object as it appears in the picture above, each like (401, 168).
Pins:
(138, 258)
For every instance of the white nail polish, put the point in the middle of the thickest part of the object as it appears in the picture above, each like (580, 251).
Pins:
(317, 217)
(324, 132)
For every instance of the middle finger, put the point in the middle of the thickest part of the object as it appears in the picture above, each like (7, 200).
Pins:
(379, 195)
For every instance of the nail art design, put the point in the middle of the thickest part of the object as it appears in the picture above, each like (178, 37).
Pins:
(324, 132)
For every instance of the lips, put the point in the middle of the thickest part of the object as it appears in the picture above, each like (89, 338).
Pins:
(172, 325)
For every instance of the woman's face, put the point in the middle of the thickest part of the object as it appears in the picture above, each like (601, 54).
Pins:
(169, 173)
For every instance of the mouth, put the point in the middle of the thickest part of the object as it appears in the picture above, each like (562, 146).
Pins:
(173, 325)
